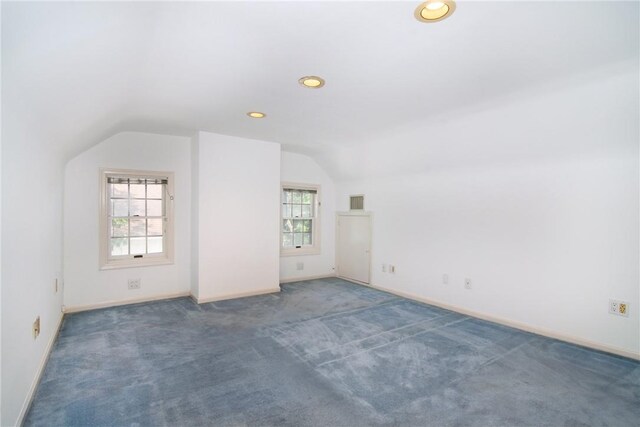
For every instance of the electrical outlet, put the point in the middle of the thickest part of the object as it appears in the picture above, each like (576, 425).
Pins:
(445, 279)
(300, 266)
(392, 269)
(620, 308)
(134, 283)
(36, 328)
(59, 282)
(384, 268)
(613, 307)
(467, 283)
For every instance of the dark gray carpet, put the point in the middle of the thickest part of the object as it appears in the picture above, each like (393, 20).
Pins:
(322, 353)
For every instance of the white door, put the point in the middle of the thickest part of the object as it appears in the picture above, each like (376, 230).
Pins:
(354, 247)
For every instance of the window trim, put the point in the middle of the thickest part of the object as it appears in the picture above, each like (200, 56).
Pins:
(167, 257)
(315, 232)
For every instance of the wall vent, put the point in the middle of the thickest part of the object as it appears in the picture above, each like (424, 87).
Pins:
(356, 203)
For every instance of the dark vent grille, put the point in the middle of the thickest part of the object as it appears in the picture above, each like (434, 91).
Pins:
(356, 203)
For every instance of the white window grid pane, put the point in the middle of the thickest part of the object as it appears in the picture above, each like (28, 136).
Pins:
(307, 210)
(130, 217)
(302, 233)
(299, 207)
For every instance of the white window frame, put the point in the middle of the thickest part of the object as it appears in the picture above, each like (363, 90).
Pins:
(313, 249)
(106, 261)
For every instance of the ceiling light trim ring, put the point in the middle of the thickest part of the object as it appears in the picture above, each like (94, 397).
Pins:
(304, 79)
(450, 6)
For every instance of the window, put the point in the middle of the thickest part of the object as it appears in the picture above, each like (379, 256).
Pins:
(136, 221)
(300, 222)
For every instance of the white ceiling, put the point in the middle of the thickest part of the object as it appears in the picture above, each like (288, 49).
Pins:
(79, 72)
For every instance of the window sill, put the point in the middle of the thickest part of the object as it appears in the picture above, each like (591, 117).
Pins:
(130, 263)
(299, 252)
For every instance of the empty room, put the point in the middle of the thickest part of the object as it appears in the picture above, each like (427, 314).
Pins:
(320, 213)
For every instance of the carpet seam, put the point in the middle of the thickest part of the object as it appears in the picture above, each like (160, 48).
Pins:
(392, 342)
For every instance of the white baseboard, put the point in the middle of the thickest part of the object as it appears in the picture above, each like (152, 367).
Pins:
(302, 279)
(513, 324)
(43, 363)
(236, 295)
(78, 308)
(357, 282)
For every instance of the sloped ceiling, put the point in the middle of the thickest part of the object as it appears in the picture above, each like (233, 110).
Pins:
(80, 72)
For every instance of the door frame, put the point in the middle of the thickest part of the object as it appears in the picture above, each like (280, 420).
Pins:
(355, 213)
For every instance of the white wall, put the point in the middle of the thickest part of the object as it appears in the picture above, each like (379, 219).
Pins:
(0, 224)
(195, 216)
(31, 259)
(542, 211)
(301, 169)
(85, 283)
(238, 202)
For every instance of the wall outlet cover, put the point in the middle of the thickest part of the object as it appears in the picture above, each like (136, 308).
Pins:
(619, 308)
(445, 279)
(134, 283)
(467, 283)
(613, 307)
(36, 327)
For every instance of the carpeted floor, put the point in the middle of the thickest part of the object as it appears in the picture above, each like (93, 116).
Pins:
(322, 353)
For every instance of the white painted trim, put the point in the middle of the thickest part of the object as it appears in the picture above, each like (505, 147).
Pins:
(337, 230)
(36, 381)
(166, 257)
(360, 283)
(511, 323)
(315, 248)
(106, 304)
(302, 279)
(355, 213)
(236, 295)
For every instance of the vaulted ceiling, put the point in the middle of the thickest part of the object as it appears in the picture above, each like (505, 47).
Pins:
(79, 72)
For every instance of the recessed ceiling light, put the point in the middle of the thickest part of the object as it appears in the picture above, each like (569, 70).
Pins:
(313, 82)
(435, 10)
(256, 114)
